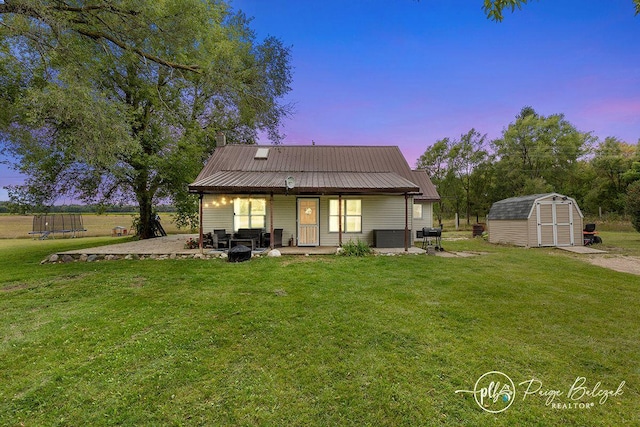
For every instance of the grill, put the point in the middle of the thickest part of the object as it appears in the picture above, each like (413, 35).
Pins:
(431, 236)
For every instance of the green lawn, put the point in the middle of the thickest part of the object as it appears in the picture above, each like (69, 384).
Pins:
(312, 340)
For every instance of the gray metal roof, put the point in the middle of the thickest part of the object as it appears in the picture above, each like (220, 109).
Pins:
(315, 168)
(514, 207)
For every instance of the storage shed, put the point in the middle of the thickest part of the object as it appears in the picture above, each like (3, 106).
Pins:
(550, 219)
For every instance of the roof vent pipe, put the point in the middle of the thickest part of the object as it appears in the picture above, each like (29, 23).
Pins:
(221, 139)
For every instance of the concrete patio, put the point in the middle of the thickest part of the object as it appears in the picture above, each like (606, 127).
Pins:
(173, 245)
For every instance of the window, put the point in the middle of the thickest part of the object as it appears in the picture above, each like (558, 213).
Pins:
(351, 216)
(417, 211)
(249, 213)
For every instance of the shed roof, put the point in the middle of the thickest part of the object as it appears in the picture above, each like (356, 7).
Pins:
(514, 207)
(315, 168)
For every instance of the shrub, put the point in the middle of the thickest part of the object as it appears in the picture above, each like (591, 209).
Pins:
(358, 248)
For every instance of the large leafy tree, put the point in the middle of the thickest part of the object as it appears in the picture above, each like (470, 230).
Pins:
(494, 8)
(455, 168)
(539, 153)
(611, 159)
(122, 99)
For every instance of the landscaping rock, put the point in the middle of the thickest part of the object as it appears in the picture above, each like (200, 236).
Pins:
(274, 253)
(92, 258)
(83, 257)
(67, 258)
(128, 256)
(54, 258)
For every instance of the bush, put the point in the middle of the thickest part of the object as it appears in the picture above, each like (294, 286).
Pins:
(358, 248)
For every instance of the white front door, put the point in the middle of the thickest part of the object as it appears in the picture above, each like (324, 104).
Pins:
(308, 222)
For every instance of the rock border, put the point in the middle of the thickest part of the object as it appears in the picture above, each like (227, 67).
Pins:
(67, 258)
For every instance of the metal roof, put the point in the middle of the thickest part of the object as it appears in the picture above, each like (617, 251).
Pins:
(315, 168)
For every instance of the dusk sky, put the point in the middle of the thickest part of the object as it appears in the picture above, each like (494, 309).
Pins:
(408, 72)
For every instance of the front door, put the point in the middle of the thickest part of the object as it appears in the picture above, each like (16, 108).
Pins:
(308, 222)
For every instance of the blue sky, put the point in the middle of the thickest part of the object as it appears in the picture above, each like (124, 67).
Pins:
(408, 72)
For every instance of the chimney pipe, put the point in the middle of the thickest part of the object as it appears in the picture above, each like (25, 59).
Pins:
(221, 139)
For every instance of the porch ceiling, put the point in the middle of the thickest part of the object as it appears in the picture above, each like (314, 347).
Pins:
(305, 182)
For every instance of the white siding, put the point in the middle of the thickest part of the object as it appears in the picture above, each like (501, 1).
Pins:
(425, 221)
(378, 212)
(217, 217)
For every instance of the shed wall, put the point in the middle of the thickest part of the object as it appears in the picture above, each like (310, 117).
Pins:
(507, 231)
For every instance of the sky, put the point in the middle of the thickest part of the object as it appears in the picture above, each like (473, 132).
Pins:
(409, 72)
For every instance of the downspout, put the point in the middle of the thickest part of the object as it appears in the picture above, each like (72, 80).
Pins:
(201, 234)
(340, 220)
(406, 222)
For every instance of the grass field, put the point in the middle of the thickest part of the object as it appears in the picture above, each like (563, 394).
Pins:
(19, 226)
(315, 340)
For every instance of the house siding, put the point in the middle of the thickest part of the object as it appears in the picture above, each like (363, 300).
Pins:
(379, 212)
(425, 221)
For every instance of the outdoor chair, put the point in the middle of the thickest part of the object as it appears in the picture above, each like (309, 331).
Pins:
(220, 239)
(277, 238)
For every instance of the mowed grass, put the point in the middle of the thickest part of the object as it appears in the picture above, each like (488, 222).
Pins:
(19, 226)
(312, 340)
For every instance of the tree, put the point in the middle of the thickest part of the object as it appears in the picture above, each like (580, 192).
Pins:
(633, 204)
(122, 99)
(466, 155)
(434, 162)
(493, 8)
(612, 158)
(453, 166)
(538, 154)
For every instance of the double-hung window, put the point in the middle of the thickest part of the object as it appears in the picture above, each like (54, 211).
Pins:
(417, 211)
(350, 215)
(249, 213)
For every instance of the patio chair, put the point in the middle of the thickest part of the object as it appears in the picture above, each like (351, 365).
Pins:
(277, 238)
(220, 239)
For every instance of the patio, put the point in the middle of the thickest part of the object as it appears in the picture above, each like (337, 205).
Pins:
(173, 245)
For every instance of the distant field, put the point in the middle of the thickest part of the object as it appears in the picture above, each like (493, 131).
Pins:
(19, 226)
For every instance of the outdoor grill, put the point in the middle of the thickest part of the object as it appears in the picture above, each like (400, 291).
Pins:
(430, 236)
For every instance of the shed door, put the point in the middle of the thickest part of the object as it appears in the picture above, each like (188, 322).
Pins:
(555, 223)
(308, 222)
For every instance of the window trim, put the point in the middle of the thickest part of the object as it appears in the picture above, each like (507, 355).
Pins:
(343, 211)
(421, 211)
(251, 215)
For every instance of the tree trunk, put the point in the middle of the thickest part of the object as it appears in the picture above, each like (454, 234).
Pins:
(146, 211)
(145, 203)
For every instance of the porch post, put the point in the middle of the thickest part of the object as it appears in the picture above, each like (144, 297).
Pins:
(406, 222)
(340, 220)
(200, 220)
(271, 245)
